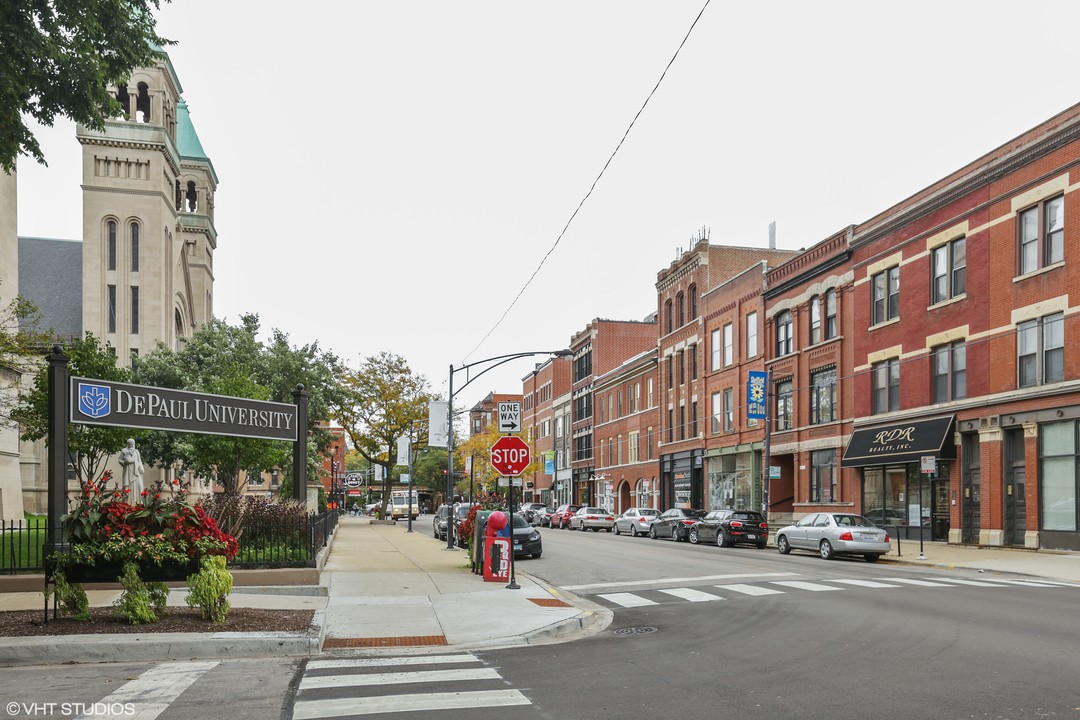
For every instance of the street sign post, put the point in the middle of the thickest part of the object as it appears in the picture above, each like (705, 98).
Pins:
(510, 455)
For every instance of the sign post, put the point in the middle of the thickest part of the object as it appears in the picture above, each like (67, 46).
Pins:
(510, 455)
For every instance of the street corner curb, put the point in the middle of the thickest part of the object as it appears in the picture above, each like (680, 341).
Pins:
(591, 618)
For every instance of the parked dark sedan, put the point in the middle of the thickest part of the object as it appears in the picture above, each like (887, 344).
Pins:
(438, 522)
(675, 523)
(526, 538)
(731, 527)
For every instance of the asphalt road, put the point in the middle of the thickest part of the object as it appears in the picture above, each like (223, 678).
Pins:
(709, 633)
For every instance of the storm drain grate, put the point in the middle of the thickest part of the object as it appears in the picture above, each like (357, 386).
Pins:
(635, 631)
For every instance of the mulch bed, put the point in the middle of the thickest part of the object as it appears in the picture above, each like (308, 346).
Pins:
(29, 623)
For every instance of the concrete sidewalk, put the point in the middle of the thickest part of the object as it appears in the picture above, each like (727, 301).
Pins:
(382, 587)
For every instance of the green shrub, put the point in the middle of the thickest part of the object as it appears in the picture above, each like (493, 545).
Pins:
(70, 598)
(209, 589)
(137, 604)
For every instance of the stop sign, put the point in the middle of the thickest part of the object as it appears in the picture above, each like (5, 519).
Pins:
(510, 455)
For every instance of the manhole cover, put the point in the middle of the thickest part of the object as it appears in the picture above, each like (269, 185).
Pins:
(635, 631)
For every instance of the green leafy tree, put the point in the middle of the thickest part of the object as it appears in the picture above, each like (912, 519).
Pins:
(58, 57)
(22, 345)
(378, 403)
(89, 446)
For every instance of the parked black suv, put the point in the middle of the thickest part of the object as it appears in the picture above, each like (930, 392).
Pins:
(438, 523)
(731, 527)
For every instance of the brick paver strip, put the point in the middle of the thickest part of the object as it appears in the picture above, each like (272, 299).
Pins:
(405, 641)
(549, 602)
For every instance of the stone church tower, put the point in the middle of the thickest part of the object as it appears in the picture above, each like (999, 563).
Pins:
(148, 219)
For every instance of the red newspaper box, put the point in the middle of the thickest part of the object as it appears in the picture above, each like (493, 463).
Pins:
(496, 559)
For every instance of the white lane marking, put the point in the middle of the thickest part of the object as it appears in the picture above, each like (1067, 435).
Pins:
(920, 583)
(627, 599)
(1027, 583)
(799, 585)
(151, 693)
(691, 594)
(750, 589)
(390, 661)
(399, 678)
(864, 583)
(314, 709)
(974, 583)
(684, 580)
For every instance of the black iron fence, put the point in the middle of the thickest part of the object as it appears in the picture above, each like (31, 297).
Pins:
(293, 542)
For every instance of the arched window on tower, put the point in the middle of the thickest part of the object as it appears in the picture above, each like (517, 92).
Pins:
(179, 322)
(142, 104)
(110, 245)
(134, 247)
(179, 196)
(124, 99)
(192, 197)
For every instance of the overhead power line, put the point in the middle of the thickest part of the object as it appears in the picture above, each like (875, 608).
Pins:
(591, 187)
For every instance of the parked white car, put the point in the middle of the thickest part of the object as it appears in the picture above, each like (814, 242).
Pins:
(636, 521)
(833, 534)
(592, 518)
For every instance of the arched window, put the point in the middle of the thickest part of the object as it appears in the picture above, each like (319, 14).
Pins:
(815, 319)
(134, 247)
(110, 248)
(192, 197)
(783, 333)
(178, 320)
(142, 104)
(680, 309)
(667, 316)
(692, 292)
(124, 99)
(179, 197)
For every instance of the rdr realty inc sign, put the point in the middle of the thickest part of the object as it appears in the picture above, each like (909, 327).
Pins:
(102, 402)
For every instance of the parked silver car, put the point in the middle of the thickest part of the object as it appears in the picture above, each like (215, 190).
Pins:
(636, 521)
(833, 534)
(592, 518)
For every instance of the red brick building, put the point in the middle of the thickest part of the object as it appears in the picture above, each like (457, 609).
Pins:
(626, 457)
(808, 339)
(598, 349)
(681, 388)
(961, 317)
(540, 421)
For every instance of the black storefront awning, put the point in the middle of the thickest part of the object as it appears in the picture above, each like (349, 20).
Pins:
(901, 443)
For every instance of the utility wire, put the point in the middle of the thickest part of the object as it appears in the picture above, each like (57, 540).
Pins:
(591, 188)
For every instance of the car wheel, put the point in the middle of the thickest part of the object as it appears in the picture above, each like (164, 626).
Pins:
(652, 533)
(674, 534)
(594, 529)
(871, 557)
(633, 531)
(761, 545)
(782, 545)
(536, 555)
(721, 538)
(609, 529)
(693, 537)
(616, 530)
(826, 550)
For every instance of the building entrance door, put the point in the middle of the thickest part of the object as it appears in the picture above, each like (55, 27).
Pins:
(1015, 507)
(969, 508)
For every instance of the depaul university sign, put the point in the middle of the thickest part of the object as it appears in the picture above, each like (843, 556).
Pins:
(102, 402)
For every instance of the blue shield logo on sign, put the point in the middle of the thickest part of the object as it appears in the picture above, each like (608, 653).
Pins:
(95, 400)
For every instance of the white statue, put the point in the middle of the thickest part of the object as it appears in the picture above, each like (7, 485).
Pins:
(131, 462)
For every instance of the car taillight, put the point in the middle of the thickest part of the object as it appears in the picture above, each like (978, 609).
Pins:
(736, 524)
(763, 525)
(641, 519)
(886, 537)
(591, 517)
(846, 535)
(688, 522)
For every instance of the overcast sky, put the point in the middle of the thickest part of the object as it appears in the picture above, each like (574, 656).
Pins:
(392, 173)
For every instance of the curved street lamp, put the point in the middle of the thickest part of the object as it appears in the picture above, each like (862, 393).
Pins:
(496, 362)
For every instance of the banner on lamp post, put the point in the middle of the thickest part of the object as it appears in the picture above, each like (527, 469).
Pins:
(438, 423)
(755, 395)
(402, 451)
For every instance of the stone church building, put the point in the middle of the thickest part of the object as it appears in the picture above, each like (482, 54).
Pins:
(143, 271)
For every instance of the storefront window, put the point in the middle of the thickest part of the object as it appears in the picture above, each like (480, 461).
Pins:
(731, 483)
(897, 495)
(1057, 475)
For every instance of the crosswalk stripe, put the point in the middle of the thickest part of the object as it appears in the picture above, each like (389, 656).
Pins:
(751, 589)
(627, 599)
(691, 594)
(662, 581)
(390, 661)
(361, 680)
(152, 692)
(920, 583)
(336, 707)
(864, 583)
(800, 585)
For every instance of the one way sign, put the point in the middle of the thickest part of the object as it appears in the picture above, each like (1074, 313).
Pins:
(509, 417)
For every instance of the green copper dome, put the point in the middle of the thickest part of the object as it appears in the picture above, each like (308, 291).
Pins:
(187, 140)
